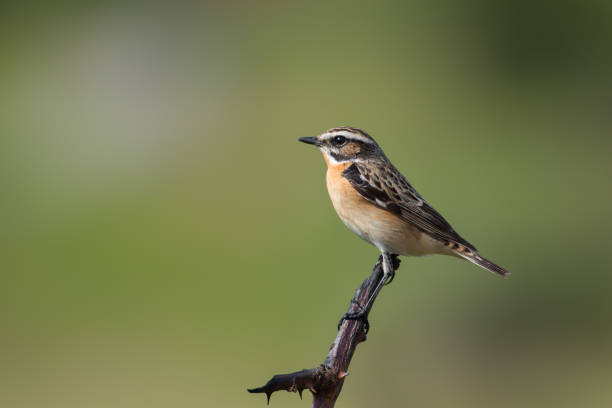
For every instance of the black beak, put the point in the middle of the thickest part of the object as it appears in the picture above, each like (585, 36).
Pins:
(309, 140)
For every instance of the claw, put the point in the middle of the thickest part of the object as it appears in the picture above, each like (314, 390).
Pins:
(351, 315)
(396, 261)
(360, 315)
(390, 278)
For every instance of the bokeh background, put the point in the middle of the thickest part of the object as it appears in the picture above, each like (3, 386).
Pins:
(166, 241)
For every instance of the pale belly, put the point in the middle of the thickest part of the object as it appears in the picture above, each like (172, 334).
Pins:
(377, 226)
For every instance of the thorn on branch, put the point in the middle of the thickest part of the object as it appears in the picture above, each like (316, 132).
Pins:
(315, 379)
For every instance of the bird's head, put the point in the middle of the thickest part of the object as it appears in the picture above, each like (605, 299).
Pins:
(346, 144)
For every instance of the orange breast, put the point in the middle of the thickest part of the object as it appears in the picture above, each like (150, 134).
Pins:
(373, 224)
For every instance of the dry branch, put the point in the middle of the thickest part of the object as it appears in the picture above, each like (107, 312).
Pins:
(325, 382)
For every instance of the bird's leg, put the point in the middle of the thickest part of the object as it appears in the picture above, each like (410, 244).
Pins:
(388, 274)
(390, 262)
(394, 265)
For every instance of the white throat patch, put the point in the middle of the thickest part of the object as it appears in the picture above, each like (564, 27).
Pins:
(331, 160)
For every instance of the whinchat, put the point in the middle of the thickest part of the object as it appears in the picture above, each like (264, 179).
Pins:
(376, 202)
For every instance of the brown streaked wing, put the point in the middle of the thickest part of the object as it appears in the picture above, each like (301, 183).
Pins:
(385, 187)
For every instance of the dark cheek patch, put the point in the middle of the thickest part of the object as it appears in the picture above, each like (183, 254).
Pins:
(351, 149)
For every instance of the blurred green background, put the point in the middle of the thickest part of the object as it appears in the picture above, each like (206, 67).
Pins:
(166, 241)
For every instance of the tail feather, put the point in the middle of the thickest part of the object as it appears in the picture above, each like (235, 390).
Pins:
(484, 263)
(471, 254)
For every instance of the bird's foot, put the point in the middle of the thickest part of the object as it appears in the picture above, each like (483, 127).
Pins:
(360, 314)
(395, 263)
(390, 277)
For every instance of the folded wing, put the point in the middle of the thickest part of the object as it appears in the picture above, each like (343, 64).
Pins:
(385, 187)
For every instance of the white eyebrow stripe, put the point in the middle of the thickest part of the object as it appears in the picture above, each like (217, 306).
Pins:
(347, 134)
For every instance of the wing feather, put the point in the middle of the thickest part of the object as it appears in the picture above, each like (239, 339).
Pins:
(385, 187)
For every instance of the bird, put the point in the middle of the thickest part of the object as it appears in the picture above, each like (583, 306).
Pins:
(376, 202)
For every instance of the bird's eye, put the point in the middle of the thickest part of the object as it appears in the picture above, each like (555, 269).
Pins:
(339, 140)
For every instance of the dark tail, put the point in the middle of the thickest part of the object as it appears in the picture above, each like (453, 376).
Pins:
(483, 263)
